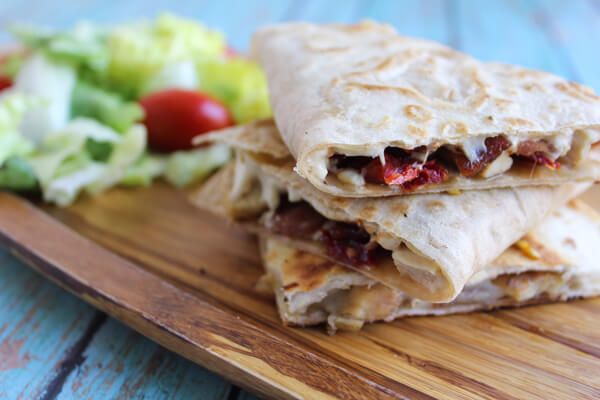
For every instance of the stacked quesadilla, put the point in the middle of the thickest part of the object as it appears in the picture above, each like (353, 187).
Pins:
(400, 177)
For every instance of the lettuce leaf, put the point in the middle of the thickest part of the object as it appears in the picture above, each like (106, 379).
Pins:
(109, 108)
(125, 154)
(63, 190)
(16, 174)
(84, 156)
(144, 171)
(13, 106)
(53, 83)
(240, 84)
(185, 167)
(84, 46)
(180, 75)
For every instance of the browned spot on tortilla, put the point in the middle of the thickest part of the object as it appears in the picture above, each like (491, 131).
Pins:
(385, 121)
(519, 121)
(364, 26)
(307, 270)
(478, 80)
(479, 100)
(402, 90)
(533, 86)
(415, 131)
(368, 212)
(502, 103)
(339, 202)
(454, 126)
(548, 256)
(576, 90)
(399, 208)
(436, 204)
(570, 242)
(417, 112)
(364, 62)
(531, 74)
(388, 62)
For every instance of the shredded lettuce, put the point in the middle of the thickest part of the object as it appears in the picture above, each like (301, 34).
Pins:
(16, 174)
(64, 189)
(180, 75)
(13, 106)
(59, 146)
(240, 84)
(124, 155)
(84, 155)
(52, 83)
(84, 46)
(185, 167)
(139, 51)
(144, 171)
(109, 108)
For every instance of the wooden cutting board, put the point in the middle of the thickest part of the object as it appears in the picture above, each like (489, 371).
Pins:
(185, 279)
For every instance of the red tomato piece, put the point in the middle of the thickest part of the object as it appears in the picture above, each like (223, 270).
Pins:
(539, 158)
(408, 173)
(175, 116)
(5, 82)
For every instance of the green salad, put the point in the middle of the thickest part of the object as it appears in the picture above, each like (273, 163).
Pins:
(93, 107)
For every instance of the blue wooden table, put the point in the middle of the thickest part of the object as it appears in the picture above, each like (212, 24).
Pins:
(53, 345)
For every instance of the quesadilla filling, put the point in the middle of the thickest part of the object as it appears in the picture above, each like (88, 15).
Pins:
(411, 169)
(346, 242)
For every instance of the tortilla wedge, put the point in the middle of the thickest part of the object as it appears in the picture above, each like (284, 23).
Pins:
(311, 290)
(348, 97)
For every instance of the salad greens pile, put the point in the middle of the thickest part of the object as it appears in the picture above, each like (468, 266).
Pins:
(71, 121)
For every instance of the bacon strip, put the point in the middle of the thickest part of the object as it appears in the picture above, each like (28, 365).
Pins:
(348, 243)
(296, 219)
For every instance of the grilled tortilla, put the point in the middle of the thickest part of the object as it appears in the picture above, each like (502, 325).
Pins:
(427, 246)
(367, 112)
(310, 289)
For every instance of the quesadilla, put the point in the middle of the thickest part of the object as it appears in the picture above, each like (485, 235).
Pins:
(427, 246)
(310, 289)
(368, 112)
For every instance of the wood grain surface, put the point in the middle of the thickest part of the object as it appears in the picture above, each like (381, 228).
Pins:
(185, 279)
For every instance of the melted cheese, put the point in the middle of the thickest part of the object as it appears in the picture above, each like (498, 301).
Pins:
(351, 177)
(474, 146)
(247, 172)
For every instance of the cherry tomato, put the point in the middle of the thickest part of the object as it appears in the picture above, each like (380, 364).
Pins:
(175, 116)
(5, 83)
